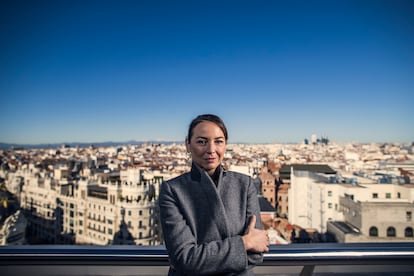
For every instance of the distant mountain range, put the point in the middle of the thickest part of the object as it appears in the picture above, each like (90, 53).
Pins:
(6, 146)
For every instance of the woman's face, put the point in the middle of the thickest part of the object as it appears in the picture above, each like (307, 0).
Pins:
(207, 146)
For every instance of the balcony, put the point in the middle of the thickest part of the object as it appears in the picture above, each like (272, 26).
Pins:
(396, 259)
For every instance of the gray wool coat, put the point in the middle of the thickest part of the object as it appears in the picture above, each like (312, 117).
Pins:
(203, 223)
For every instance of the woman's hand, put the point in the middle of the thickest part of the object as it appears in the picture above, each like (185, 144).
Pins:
(255, 240)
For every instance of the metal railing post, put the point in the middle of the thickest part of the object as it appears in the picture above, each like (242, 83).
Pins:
(307, 270)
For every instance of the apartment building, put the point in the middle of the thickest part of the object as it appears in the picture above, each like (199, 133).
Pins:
(268, 186)
(91, 210)
(366, 212)
(313, 200)
(40, 202)
(378, 213)
(283, 200)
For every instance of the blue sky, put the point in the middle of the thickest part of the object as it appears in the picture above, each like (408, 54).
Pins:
(275, 71)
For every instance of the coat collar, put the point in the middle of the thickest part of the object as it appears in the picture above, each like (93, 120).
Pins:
(213, 196)
(196, 173)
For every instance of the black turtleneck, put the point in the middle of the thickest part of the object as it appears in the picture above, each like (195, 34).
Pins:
(216, 175)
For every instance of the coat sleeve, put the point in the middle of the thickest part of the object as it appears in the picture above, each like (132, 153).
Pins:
(186, 256)
(253, 208)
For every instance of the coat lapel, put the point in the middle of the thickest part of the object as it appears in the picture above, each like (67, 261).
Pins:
(217, 210)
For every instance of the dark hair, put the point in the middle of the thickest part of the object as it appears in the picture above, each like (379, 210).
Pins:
(207, 118)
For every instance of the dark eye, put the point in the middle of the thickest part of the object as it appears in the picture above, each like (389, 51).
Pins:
(219, 142)
(201, 142)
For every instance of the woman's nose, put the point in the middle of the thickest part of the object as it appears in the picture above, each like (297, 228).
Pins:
(210, 147)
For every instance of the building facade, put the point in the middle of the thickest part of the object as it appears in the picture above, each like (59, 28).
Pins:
(380, 213)
(91, 210)
(366, 212)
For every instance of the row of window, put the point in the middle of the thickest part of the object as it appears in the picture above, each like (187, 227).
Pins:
(99, 207)
(391, 232)
(375, 195)
(387, 195)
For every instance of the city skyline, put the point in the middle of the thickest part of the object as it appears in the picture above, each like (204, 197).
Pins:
(275, 71)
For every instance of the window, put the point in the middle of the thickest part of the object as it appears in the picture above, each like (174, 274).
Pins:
(374, 195)
(373, 231)
(330, 205)
(391, 232)
(408, 215)
(388, 195)
(408, 232)
(329, 193)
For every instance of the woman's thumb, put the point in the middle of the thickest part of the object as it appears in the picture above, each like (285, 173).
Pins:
(252, 224)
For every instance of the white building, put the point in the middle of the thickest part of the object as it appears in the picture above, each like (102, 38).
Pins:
(380, 212)
(89, 211)
(313, 200)
(366, 212)
(39, 201)
(13, 230)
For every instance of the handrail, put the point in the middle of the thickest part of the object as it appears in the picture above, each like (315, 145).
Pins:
(306, 255)
(340, 254)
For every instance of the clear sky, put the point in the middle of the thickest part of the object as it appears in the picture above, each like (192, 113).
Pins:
(275, 71)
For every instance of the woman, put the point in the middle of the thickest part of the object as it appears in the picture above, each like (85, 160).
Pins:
(210, 217)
